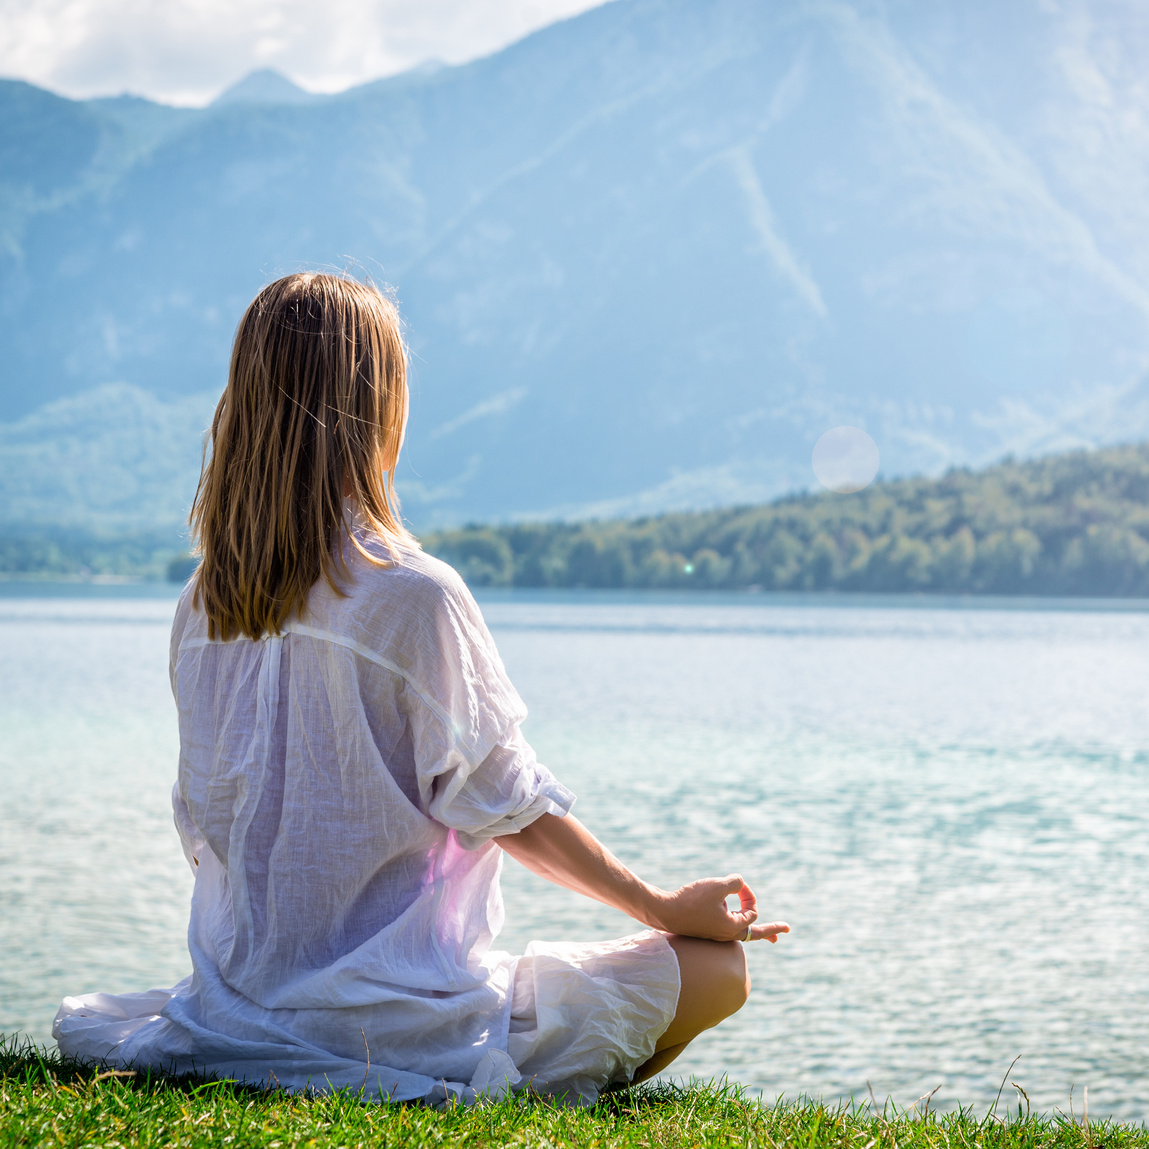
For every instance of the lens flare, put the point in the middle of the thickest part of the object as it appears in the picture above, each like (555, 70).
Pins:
(845, 459)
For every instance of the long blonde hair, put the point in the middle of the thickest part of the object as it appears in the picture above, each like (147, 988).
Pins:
(315, 408)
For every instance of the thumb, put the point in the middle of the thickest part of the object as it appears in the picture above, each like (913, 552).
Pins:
(731, 884)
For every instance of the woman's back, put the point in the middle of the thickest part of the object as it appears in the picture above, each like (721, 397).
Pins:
(338, 788)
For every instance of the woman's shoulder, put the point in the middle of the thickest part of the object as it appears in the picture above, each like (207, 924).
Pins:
(408, 576)
(411, 597)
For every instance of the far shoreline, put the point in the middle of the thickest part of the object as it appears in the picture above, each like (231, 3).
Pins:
(126, 587)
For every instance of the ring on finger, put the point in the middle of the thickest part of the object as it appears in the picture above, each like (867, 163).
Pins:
(748, 931)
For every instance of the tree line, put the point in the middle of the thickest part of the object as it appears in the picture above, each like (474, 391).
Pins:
(50, 552)
(1068, 524)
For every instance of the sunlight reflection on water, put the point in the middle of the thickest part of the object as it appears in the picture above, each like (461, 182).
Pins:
(949, 806)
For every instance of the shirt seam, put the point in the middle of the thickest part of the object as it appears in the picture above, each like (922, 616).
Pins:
(365, 652)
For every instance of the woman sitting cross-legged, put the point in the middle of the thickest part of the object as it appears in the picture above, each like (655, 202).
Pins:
(352, 772)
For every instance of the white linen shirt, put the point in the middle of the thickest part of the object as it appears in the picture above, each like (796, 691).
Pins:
(339, 787)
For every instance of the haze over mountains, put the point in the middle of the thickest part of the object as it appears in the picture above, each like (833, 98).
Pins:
(646, 255)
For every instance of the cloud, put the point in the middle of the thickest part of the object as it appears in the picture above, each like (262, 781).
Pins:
(187, 51)
(496, 405)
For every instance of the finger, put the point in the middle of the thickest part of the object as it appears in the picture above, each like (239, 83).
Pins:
(769, 931)
(747, 899)
(743, 919)
(731, 884)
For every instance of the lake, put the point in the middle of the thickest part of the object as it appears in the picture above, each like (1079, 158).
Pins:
(949, 802)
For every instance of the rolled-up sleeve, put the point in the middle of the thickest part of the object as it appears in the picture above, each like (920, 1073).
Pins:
(503, 794)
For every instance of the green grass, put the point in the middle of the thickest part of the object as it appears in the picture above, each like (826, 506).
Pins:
(48, 1101)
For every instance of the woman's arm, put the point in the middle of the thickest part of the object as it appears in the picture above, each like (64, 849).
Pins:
(565, 852)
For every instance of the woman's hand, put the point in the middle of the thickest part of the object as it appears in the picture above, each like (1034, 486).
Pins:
(699, 910)
(565, 852)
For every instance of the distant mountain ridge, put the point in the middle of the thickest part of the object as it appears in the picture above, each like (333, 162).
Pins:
(264, 86)
(646, 255)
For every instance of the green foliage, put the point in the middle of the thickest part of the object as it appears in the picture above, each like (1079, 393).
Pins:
(54, 553)
(181, 567)
(1072, 524)
(47, 1101)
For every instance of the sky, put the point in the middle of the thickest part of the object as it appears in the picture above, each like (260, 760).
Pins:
(188, 51)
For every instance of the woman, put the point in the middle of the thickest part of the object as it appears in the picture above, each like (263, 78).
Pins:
(352, 771)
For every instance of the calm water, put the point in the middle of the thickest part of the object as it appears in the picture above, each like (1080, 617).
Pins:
(950, 806)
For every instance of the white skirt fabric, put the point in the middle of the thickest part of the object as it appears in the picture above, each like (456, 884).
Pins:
(583, 1018)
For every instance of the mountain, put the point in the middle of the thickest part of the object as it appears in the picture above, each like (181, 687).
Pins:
(265, 86)
(646, 256)
(111, 460)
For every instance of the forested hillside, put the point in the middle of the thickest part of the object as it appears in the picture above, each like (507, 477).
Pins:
(1072, 524)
